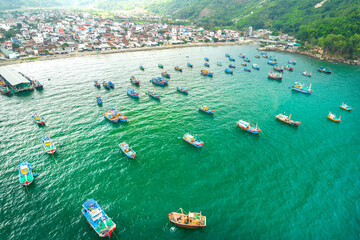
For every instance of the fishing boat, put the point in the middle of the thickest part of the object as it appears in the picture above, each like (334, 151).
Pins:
(182, 89)
(133, 80)
(346, 107)
(5, 90)
(205, 109)
(247, 69)
(288, 67)
(114, 115)
(159, 81)
(242, 55)
(206, 59)
(244, 64)
(257, 56)
(106, 85)
(141, 68)
(307, 74)
(301, 88)
(278, 68)
(232, 59)
(334, 118)
(219, 63)
(231, 66)
(131, 92)
(97, 218)
(255, 66)
(38, 119)
(160, 65)
(177, 68)
(293, 62)
(247, 127)
(26, 175)
(206, 64)
(190, 220)
(111, 84)
(192, 140)
(189, 65)
(227, 55)
(286, 119)
(271, 58)
(229, 71)
(97, 84)
(272, 63)
(99, 101)
(264, 55)
(324, 70)
(152, 93)
(48, 145)
(246, 60)
(165, 74)
(207, 73)
(275, 75)
(127, 150)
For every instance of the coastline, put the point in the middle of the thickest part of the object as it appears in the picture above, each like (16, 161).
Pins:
(113, 51)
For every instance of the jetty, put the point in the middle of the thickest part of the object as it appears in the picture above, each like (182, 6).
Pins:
(14, 80)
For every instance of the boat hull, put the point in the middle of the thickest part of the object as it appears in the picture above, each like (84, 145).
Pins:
(250, 130)
(345, 108)
(333, 119)
(301, 90)
(290, 122)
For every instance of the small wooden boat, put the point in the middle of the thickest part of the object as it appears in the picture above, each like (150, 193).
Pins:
(232, 59)
(286, 119)
(177, 68)
(152, 93)
(246, 60)
(165, 74)
(219, 63)
(274, 75)
(190, 220)
(247, 69)
(37, 85)
(324, 70)
(106, 85)
(271, 58)
(307, 74)
(99, 101)
(231, 66)
(111, 85)
(160, 65)
(38, 119)
(301, 88)
(244, 64)
(334, 118)
(229, 71)
(227, 55)
(159, 81)
(247, 127)
(97, 218)
(272, 63)
(48, 145)
(293, 62)
(131, 92)
(206, 59)
(133, 80)
(182, 89)
(205, 109)
(257, 56)
(255, 66)
(26, 175)
(141, 68)
(192, 140)
(127, 150)
(206, 64)
(114, 115)
(207, 73)
(189, 65)
(346, 107)
(97, 84)
(288, 67)
(278, 68)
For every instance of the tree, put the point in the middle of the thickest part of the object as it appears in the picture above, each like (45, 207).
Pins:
(207, 40)
(215, 39)
(15, 45)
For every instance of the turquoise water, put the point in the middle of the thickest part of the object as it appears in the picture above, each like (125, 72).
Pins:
(286, 183)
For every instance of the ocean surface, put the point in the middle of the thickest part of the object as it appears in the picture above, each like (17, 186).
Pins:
(286, 183)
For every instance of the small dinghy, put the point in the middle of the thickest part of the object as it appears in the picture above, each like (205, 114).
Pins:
(333, 117)
(127, 150)
(206, 59)
(231, 66)
(190, 220)
(244, 64)
(48, 145)
(232, 59)
(38, 119)
(106, 85)
(247, 127)
(26, 176)
(206, 64)
(219, 63)
(205, 109)
(192, 140)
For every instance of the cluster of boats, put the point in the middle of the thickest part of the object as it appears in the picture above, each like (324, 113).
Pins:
(106, 84)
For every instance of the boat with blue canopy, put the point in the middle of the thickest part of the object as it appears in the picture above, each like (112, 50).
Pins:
(206, 59)
(255, 66)
(293, 62)
(182, 89)
(193, 140)
(346, 107)
(127, 150)
(133, 80)
(246, 60)
(99, 101)
(114, 115)
(131, 92)
(159, 81)
(26, 175)
(106, 85)
(232, 59)
(48, 145)
(227, 55)
(272, 63)
(189, 65)
(207, 73)
(227, 70)
(231, 66)
(247, 69)
(141, 68)
(153, 94)
(301, 88)
(111, 84)
(165, 74)
(271, 58)
(206, 64)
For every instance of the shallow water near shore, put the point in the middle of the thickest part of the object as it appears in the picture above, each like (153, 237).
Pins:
(286, 183)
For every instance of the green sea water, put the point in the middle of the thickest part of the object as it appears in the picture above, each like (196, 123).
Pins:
(286, 183)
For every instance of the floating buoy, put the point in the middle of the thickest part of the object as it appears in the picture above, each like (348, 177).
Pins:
(49, 79)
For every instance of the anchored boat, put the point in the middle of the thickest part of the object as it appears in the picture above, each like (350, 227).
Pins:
(271, 58)
(152, 93)
(206, 64)
(97, 84)
(301, 88)
(38, 119)
(286, 119)
(206, 59)
(293, 62)
(192, 140)
(232, 59)
(227, 55)
(127, 150)
(5, 90)
(247, 69)
(114, 115)
(244, 64)
(324, 70)
(106, 85)
(141, 68)
(48, 145)
(257, 56)
(272, 63)
(26, 176)
(334, 118)
(246, 60)
(229, 71)
(131, 92)
(165, 74)
(98, 99)
(274, 75)
(307, 74)
(346, 107)
(177, 68)
(219, 63)
(246, 126)
(182, 89)
(231, 66)
(288, 67)
(160, 65)
(278, 68)
(207, 73)
(205, 109)
(97, 218)
(189, 65)
(111, 84)
(159, 81)
(190, 220)
(133, 80)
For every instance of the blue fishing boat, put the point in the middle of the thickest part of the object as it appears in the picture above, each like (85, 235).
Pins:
(247, 127)
(38, 119)
(278, 68)
(232, 59)
(293, 62)
(206, 64)
(131, 92)
(177, 68)
(134, 80)
(106, 85)
(111, 84)
(301, 88)
(205, 109)
(97, 84)
(307, 74)
(48, 145)
(152, 93)
(189, 65)
(37, 85)
(229, 71)
(231, 66)
(242, 55)
(227, 55)
(219, 63)
(246, 60)
(26, 175)
(272, 63)
(207, 73)
(271, 58)
(247, 69)
(193, 140)
(97, 218)
(159, 81)
(264, 54)
(255, 66)
(324, 70)
(127, 150)
(346, 107)
(182, 89)
(98, 99)
(114, 115)
(165, 74)
(206, 59)
(141, 68)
